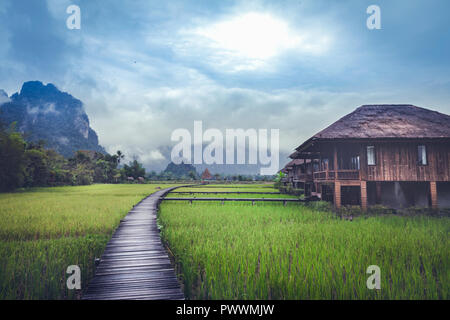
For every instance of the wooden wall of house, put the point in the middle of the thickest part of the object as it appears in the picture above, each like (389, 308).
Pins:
(397, 161)
(290, 173)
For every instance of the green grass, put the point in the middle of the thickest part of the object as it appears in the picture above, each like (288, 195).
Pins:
(229, 195)
(241, 185)
(267, 251)
(44, 230)
(232, 187)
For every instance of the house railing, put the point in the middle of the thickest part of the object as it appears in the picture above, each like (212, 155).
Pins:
(341, 175)
(303, 177)
(323, 175)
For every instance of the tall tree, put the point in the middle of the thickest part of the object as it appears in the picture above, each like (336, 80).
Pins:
(134, 169)
(37, 170)
(12, 159)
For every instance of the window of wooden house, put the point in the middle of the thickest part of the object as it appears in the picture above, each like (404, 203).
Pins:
(422, 155)
(370, 155)
(354, 163)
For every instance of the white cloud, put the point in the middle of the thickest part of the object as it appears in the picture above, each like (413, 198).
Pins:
(151, 156)
(33, 110)
(63, 140)
(249, 41)
(44, 109)
(4, 97)
(57, 8)
(49, 108)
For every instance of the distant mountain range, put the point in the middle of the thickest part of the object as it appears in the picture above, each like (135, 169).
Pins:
(42, 112)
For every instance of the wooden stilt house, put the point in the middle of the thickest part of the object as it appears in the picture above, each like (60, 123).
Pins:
(394, 155)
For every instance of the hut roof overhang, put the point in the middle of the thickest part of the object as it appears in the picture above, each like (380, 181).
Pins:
(381, 122)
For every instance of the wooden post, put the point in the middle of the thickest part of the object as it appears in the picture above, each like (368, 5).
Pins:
(337, 194)
(433, 192)
(364, 195)
(378, 191)
(335, 163)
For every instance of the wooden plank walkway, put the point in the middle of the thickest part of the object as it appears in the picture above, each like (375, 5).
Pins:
(135, 265)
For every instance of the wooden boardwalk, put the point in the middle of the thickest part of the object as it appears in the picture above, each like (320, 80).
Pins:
(135, 265)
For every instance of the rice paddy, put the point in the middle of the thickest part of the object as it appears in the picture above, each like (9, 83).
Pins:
(231, 188)
(268, 251)
(234, 250)
(44, 230)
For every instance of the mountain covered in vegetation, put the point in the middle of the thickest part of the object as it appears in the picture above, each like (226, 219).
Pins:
(43, 112)
(182, 170)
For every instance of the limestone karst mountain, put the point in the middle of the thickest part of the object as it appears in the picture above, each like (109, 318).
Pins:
(43, 112)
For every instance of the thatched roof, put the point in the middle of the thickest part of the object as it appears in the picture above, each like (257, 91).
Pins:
(292, 163)
(294, 155)
(295, 162)
(387, 121)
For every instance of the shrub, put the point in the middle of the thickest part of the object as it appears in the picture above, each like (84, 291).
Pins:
(346, 211)
(415, 211)
(320, 205)
(379, 210)
(83, 178)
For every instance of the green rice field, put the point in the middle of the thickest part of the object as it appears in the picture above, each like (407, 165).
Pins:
(44, 230)
(234, 250)
(268, 251)
(231, 188)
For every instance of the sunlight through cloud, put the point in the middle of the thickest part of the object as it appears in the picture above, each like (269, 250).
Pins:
(250, 40)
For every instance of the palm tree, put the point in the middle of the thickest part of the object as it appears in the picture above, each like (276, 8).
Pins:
(120, 156)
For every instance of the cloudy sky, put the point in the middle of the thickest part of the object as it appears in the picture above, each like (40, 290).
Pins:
(144, 68)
